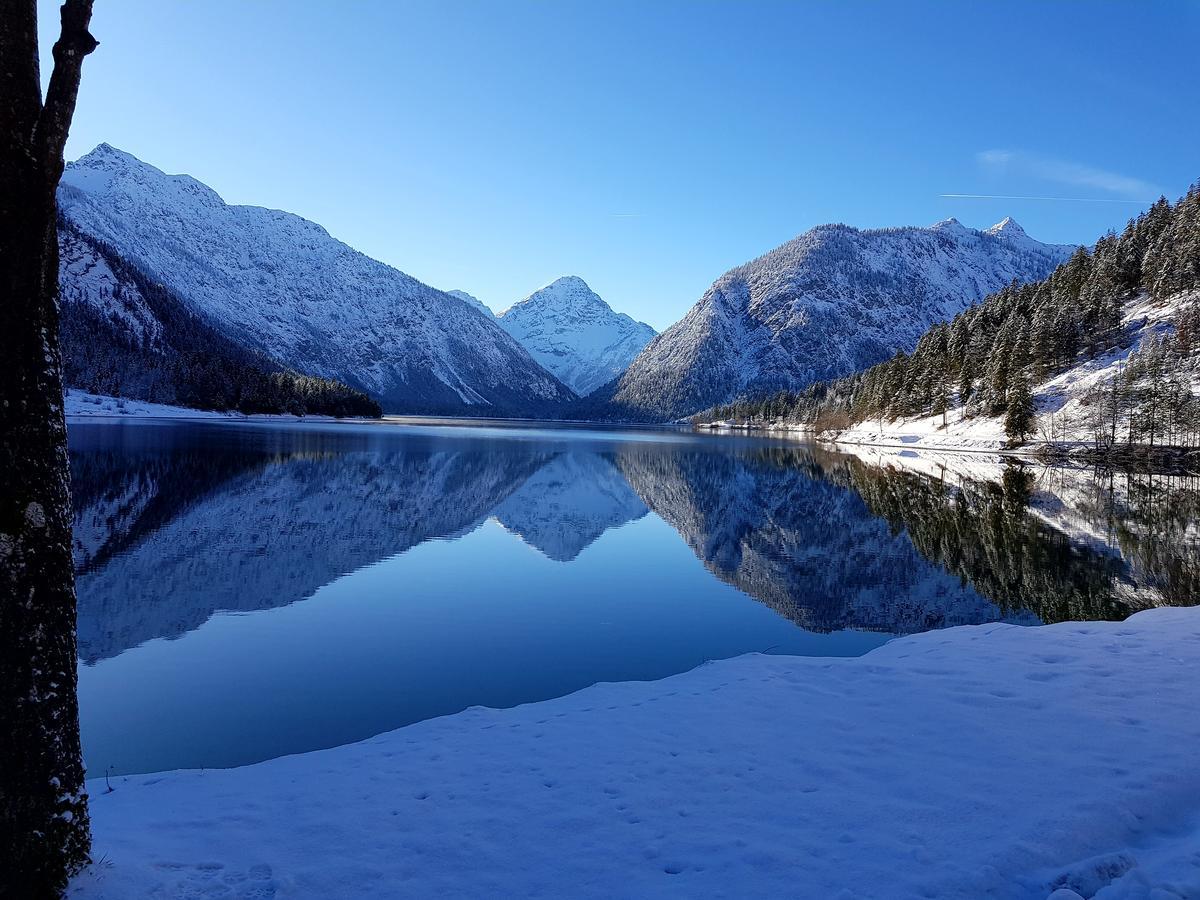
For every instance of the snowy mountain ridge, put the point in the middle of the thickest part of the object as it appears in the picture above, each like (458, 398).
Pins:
(282, 285)
(572, 332)
(473, 302)
(832, 301)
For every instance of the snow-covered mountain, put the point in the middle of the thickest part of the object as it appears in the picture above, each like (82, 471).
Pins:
(283, 286)
(473, 302)
(571, 331)
(830, 302)
(87, 280)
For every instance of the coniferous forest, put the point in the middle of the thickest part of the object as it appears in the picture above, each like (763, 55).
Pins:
(988, 360)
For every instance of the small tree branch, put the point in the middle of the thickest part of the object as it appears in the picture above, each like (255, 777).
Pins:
(74, 43)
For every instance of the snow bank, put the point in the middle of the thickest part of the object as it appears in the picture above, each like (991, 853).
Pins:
(82, 405)
(981, 761)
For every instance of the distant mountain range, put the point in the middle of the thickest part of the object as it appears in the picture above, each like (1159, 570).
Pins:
(278, 293)
(473, 302)
(828, 303)
(281, 286)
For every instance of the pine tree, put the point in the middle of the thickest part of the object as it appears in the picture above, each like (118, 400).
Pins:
(1021, 416)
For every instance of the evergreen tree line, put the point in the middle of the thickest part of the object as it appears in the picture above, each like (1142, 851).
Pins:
(189, 363)
(989, 357)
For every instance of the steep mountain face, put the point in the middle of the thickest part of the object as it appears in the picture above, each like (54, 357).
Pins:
(282, 286)
(830, 302)
(571, 331)
(473, 302)
(89, 287)
(124, 334)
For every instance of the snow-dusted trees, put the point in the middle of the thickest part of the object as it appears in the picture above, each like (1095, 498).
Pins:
(991, 354)
(1159, 404)
(1020, 415)
(43, 808)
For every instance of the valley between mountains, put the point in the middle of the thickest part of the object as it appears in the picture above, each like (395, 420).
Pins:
(171, 296)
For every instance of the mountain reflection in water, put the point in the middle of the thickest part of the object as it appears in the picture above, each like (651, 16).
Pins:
(175, 523)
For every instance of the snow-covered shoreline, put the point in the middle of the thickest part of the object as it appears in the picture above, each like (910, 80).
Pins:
(1063, 414)
(980, 761)
(81, 406)
(910, 434)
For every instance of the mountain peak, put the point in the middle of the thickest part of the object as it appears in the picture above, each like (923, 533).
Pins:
(566, 294)
(950, 224)
(572, 281)
(569, 329)
(1007, 226)
(106, 156)
(830, 302)
(107, 167)
(569, 290)
(104, 148)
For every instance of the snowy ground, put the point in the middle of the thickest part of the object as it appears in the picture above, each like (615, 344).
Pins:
(981, 761)
(82, 405)
(1062, 415)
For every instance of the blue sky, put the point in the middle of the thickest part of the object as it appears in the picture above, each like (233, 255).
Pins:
(647, 146)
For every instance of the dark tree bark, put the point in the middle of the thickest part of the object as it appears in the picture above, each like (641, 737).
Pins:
(43, 808)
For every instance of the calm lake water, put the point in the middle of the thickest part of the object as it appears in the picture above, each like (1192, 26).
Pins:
(248, 591)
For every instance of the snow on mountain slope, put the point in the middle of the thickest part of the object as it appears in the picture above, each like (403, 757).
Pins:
(282, 285)
(86, 279)
(473, 302)
(571, 331)
(830, 302)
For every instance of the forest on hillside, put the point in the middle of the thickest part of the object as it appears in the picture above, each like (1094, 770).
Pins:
(988, 359)
(189, 362)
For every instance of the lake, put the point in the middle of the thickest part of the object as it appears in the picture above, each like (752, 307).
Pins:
(252, 590)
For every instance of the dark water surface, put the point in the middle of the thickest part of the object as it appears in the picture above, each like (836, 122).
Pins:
(248, 590)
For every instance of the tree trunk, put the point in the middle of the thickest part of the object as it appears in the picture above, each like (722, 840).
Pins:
(43, 808)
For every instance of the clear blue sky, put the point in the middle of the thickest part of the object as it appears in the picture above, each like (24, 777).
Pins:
(647, 146)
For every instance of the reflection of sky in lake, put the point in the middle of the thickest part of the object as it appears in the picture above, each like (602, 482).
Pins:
(247, 591)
